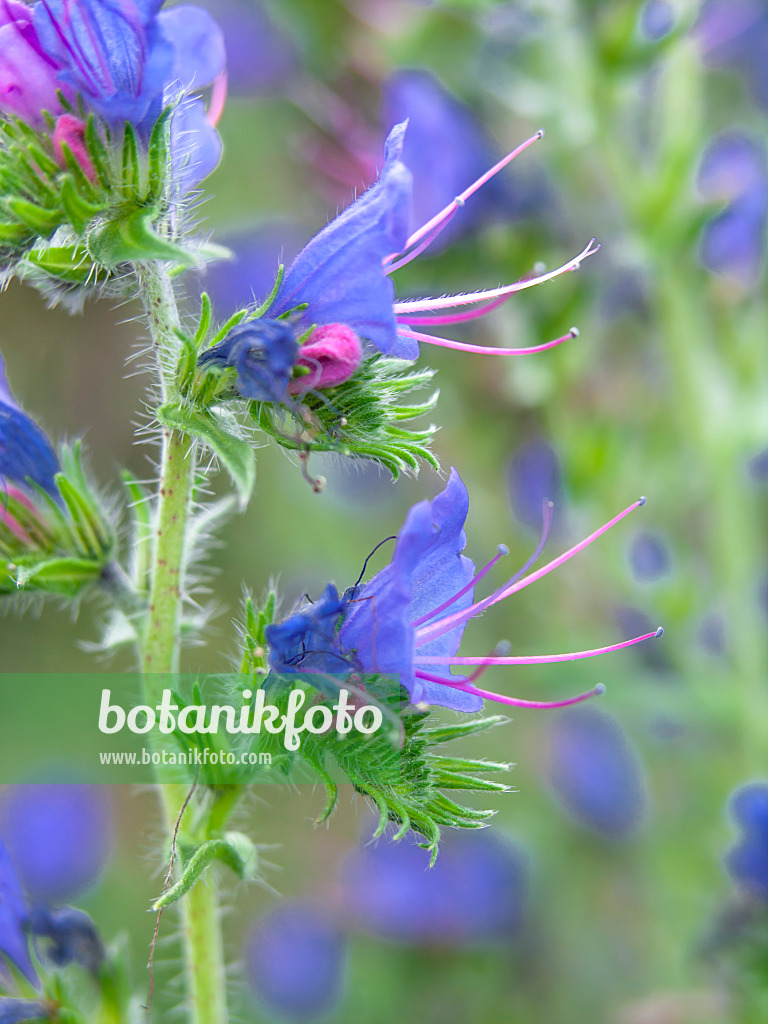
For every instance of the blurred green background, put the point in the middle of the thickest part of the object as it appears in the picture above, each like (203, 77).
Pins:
(663, 394)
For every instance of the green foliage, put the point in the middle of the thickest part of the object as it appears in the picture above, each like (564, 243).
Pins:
(235, 850)
(58, 547)
(360, 418)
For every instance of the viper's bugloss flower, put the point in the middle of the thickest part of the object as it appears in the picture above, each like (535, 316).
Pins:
(58, 835)
(330, 355)
(735, 169)
(294, 960)
(408, 621)
(733, 34)
(342, 275)
(28, 75)
(260, 58)
(595, 772)
(648, 557)
(263, 352)
(26, 454)
(14, 943)
(747, 860)
(20, 1011)
(476, 891)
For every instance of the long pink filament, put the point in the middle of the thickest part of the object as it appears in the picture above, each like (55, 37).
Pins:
(450, 301)
(405, 260)
(441, 219)
(218, 99)
(484, 350)
(503, 550)
(423, 636)
(518, 702)
(452, 318)
(537, 659)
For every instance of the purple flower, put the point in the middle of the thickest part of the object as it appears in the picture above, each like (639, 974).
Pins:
(342, 275)
(263, 352)
(535, 479)
(59, 835)
(747, 860)
(28, 76)
(26, 454)
(734, 168)
(260, 59)
(476, 892)
(294, 960)
(595, 773)
(124, 57)
(408, 621)
(734, 33)
(648, 557)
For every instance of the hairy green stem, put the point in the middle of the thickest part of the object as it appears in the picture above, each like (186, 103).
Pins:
(200, 926)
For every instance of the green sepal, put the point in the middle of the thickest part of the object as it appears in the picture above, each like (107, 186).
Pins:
(130, 239)
(68, 263)
(236, 454)
(64, 576)
(38, 219)
(79, 211)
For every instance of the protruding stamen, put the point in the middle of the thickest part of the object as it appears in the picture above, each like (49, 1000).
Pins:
(467, 687)
(502, 551)
(501, 650)
(451, 318)
(448, 623)
(441, 219)
(482, 350)
(536, 659)
(450, 301)
(404, 260)
(218, 99)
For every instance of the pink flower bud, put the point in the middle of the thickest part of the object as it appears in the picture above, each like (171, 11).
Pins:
(332, 354)
(70, 132)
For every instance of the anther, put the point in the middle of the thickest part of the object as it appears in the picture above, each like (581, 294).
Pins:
(642, 501)
(660, 631)
(575, 332)
(599, 689)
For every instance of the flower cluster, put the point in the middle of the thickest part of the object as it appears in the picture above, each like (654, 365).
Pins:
(747, 860)
(407, 622)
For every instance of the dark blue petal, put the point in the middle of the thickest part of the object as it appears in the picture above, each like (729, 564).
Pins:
(295, 959)
(339, 273)
(25, 451)
(595, 772)
(263, 352)
(58, 835)
(306, 640)
(198, 46)
(13, 912)
(71, 937)
(427, 569)
(476, 891)
(747, 863)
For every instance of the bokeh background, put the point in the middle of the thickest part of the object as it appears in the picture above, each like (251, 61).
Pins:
(601, 892)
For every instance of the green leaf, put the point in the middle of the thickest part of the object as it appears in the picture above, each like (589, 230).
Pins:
(235, 850)
(236, 454)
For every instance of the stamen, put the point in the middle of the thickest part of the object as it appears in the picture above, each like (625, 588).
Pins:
(404, 260)
(451, 318)
(218, 98)
(485, 350)
(449, 301)
(501, 650)
(537, 659)
(441, 219)
(516, 584)
(467, 687)
(502, 550)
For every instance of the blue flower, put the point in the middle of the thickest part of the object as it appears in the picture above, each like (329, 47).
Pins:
(408, 621)
(595, 773)
(339, 274)
(26, 453)
(21, 1011)
(263, 352)
(747, 860)
(70, 937)
(476, 892)
(14, 943)
(294, 959)
(342, 275)
(648, 557)
(59, 835)
(123, 56)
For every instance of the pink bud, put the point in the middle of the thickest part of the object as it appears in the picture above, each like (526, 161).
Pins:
(332, 354)
(70, 132)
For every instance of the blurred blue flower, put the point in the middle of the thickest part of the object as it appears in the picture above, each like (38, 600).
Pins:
(26, 454)
(657, 18)
(69, 935)
(595, 773)
(747, 860)
(263, 352)
(14, 943)
(235, 283)
(123, 56)
(445, 149)
(757, 467)
(476, 892)
(59, 835)
(734, 34)
(260, 58)
(339, 274)
(535, 478)
(294, 961)
(734, 168)
(648, 557)
(21, 1011)
(408, 621)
